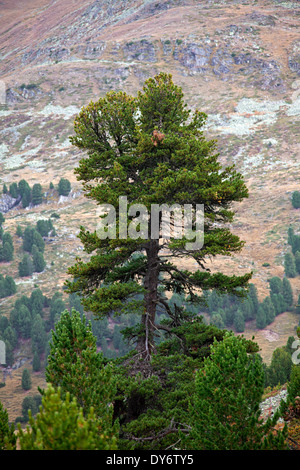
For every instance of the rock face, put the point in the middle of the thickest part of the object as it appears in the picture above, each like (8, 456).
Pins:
(7, 203)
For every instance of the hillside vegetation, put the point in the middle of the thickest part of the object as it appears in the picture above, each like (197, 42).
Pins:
(237, 61)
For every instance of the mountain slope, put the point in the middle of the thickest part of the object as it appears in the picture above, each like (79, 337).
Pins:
(238, 61)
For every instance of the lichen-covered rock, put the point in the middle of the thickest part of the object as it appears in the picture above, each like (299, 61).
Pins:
(142, 50)
(7, 203)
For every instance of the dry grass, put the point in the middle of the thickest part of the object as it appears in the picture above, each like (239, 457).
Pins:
(271, 172)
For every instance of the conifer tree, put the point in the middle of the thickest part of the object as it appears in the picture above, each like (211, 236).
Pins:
(21, 320)
(261, 320)
(225, 410)
(289, 265)
(38, 335)
(32, 237)
(275, 285)
(298, 305)
(7, 435)
(152, 150)
(61, 425)
(269, 310)
(297, 261)
(10, 285)
(64, 187)
(19, 231)
(37, 194)
(296, 199)
(293, 385)
(26, 380)
(13, 190)
(38, 260)
(239, 321)
(295, 244)
(7, 252)
(36, 362)
(77, 368)
(291, 234)
(287, 292)
(10, 336)
(25, 266)
(26, 197)
(282, 303)
(37, 302)
(280, 368)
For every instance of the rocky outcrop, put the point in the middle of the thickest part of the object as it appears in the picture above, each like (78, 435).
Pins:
(225, 62)
(23, 92)
(7, 203)
(294, 58)
(42, 55)
(142, 50)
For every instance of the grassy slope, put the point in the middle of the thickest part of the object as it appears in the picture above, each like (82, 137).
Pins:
(255, 124)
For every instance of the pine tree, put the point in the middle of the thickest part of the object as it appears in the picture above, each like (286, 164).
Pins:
(64, 187)
(296, 199)
(293, 385)
(38, 260)
(297, 261)
(20, 319)
(37, 194)
(32, 237)
(239, 321)
(276, 303)
(19, 231)
(289, 265)
(31, 403)
(269, 310)
(77, 368)
(252, 294)
(298, 305)
(61, 425)
(261, 320)
(38, 335)
(287, 292)
(23, 186)
(295, 244)
(37, 302)
(38, 241)
(225, 410)
(151, 150)
(57, 306)
(26, 380)
(13, 190)
(9, 286)
(7, 252)
(44, 227)
(282, 303)
(36, 362)
(25, 266)
(7, 435)
(281, 366)
(10, 336)
(275, 285)
(291, 234)
(27, 239)
(4, 323)
(26, 197)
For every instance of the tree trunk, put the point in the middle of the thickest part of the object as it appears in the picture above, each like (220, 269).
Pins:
(145, 343)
